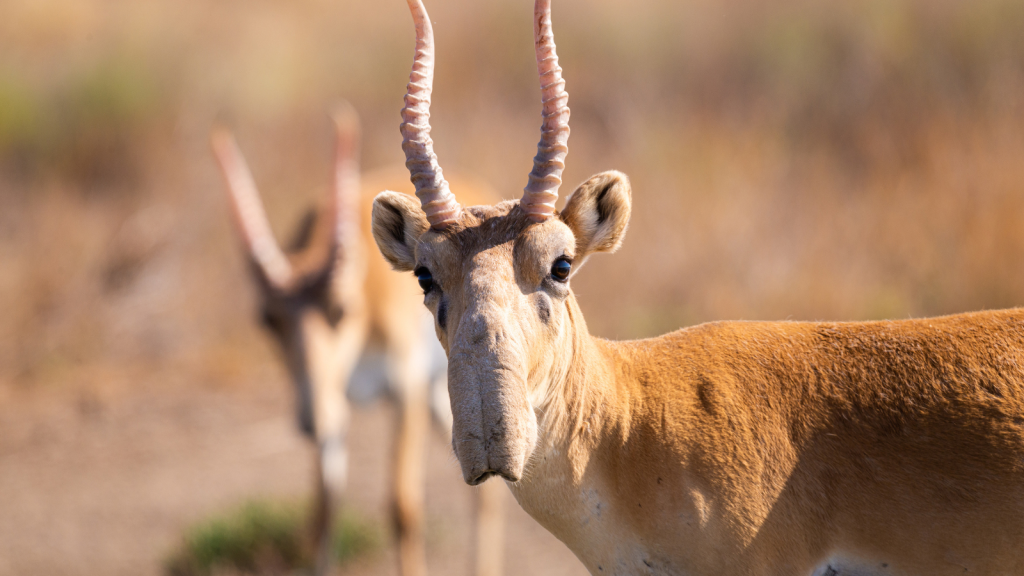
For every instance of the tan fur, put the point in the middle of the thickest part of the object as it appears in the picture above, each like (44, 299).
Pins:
(735, 448)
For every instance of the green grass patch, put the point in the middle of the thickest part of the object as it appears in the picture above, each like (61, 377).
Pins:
(264, 537)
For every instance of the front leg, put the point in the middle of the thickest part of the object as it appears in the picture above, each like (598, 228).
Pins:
(409, 375)
(490, 527)
(332, 464)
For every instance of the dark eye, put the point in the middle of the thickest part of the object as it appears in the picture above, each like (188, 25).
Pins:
(560, 269)
(425, 279)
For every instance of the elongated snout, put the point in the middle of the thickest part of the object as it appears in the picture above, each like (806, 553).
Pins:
(494, 427)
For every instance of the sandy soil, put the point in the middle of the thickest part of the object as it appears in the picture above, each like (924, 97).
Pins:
(91, 484)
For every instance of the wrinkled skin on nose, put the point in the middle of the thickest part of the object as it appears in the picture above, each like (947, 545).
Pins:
(494, 425)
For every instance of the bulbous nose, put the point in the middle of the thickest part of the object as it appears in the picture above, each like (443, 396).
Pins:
(492, 429)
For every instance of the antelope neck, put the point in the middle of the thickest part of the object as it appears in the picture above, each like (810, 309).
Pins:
(581, 409)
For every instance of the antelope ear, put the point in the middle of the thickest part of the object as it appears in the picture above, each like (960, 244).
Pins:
(598, 213)
(398, 223)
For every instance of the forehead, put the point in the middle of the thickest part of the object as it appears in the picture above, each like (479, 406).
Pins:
(503, 226)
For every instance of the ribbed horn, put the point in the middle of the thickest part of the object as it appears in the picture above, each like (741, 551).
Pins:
(438, 202)
(541, 192)
(345, 188)
(248, 210)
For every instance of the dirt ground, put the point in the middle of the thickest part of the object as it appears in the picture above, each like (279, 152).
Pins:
(106, 484)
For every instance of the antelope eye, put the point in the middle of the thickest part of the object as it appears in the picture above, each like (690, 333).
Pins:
(425, 279)
(560, 269)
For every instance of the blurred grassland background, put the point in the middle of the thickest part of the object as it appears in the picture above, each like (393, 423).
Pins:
(790, 160)
(793, 159)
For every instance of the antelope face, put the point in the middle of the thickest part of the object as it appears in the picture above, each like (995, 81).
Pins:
(310, 324)
(497, 278)
(498, 285)
(312, 298)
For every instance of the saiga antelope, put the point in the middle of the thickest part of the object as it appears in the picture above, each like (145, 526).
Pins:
(330, 302)
(730, 448)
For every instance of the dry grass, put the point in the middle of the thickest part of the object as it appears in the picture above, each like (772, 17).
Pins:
(789, 160)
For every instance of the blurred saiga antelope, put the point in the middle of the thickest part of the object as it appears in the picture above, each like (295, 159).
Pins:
(340, 314)
(725, 449)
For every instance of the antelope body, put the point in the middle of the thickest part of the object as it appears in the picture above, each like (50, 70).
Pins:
(790, 449)
(734, 448)
(341, 315)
